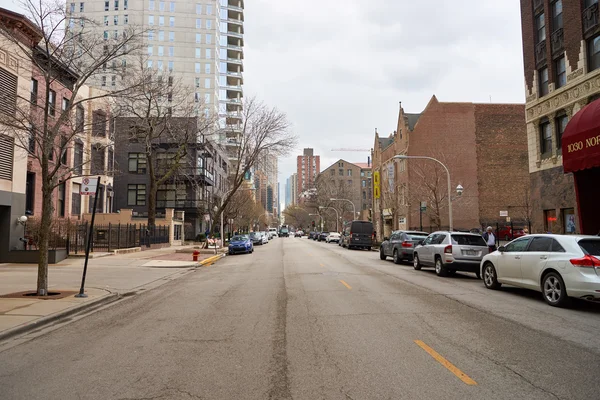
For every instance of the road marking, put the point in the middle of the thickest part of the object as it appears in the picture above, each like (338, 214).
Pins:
(459, 374)
(321, 265)
(345, 284)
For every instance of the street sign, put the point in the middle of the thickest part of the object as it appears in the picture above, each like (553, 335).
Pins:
(504, 213)
(423, 206)
(89, 186)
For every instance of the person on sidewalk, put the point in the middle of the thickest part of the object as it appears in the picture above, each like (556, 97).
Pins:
(490, 239)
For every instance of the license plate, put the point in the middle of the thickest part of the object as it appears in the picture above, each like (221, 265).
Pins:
(471, 253)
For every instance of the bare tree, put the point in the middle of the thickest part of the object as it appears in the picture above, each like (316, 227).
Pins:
(263, 131)
(161, 115)
(297, 216)
(61, 54)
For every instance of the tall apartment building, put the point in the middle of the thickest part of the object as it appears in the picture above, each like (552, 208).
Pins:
(200, 41)
(308, 167)
(561, 49)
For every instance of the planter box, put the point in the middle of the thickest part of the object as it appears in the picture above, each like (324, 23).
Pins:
(33, 256)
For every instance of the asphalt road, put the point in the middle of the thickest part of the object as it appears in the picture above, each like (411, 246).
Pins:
(306, 320)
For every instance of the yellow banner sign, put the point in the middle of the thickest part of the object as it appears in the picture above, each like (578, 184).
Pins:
(376, 179)
(377, 192)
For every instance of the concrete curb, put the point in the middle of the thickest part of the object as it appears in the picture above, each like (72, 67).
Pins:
(47, 320)
(211, 260)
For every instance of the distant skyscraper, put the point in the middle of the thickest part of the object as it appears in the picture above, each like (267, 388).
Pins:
(308, 167)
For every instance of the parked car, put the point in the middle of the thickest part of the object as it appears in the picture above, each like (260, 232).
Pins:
(272, 233)
(316, 236)
(257, 238)
(559, 266)
(265, 237)
(322, 236)
(298, 234)
(333, 237)
(449, 252)
(401, 245)
(311, 235)
(507, 234)
(240, 244)
(357, 234)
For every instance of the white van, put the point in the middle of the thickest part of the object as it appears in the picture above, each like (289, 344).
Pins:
(273, 233)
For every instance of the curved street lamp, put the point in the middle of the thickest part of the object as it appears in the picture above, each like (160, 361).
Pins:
(337, 216)
(353, 207)
(459, 188)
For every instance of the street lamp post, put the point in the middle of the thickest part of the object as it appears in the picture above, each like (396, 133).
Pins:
(337, 216)
(353, 207)
(405, 157)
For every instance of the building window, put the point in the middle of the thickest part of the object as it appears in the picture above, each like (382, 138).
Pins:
(65, 104)
(545, 138)
(151, 5)
(171, 66)
(116, 20)
(30, 193)
(197, 67)
(207, 53)
(161, 20)
(113, 81)
(208, 24)
(568, 217)
(208, 38)
(206, 98)
(557, 17)
(34, 91)
(150, 19)
(76, 199)
(161, 51)
(149, 64)
(209, 9)
(550, 221)
(78, 158)
(561, 72)
(198, 52)
(138, 163)
(161, 36)
(32, 141)
(594, 53)
(196, 97)
(125, 19)
(64, 150)
(51, 102)
(125, 4)
(136, 195)
(99, 124)
(116, 5)
(172, 6)
(198, 8)
(341, 172)
(171, 21)
(543, 77)
(207, 69)
(159, 65)
(207, 83)
(198, 37)
(79, 118)
(81, 7)
(197, 82)
(349, 172)
(171, 36)
(150, 35)
(198, 23)
(60, 204)
(171, 51)
(97, 160)
(540, 24)
(561, 125)
(106, 5)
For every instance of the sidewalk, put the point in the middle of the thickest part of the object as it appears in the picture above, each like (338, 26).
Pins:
(107, 278)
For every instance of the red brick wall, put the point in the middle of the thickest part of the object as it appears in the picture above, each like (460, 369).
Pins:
(446, 131)
(502, 161)
(528, 32)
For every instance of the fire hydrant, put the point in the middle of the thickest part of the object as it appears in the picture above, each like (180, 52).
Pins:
(195, 255)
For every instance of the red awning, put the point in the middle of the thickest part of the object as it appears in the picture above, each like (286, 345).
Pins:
(581, 139)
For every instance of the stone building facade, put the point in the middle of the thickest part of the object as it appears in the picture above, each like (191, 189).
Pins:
(485, 150)
(561, 50)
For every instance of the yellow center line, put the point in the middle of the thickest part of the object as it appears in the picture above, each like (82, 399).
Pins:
(345, 284)
(459, 374)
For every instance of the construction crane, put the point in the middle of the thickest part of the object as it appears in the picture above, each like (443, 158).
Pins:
(347, 149)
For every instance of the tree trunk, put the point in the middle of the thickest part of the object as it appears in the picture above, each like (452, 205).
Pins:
(44, 237)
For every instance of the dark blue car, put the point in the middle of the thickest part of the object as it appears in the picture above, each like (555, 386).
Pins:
(240, 244)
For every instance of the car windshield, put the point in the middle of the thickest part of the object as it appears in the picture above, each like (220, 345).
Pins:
(239, 238)
(590, 246)
(468, 240)
(254, 234)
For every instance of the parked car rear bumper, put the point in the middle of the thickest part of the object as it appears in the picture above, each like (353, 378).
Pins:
(467, 266)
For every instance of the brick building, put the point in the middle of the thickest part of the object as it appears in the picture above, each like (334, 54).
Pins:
(308, 167)
(485, 150)
(561, 50)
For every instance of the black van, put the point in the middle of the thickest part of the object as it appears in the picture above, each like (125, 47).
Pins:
(357, 234)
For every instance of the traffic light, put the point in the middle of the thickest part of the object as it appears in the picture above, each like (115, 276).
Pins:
(313, 224)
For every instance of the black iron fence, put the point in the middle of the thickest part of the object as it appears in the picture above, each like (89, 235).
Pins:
(105, 238)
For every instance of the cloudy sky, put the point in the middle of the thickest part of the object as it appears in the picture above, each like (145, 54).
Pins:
(339, 68)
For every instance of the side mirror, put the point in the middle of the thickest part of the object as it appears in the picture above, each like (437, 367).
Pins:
(386, 238)
(501, 249)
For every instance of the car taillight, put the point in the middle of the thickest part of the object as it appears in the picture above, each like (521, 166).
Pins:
(407, 244)
(586, 261)
(448, 249)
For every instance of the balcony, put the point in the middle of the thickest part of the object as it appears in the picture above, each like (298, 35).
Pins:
(557, 42)
(235, 74)
(540, 54)
(235, 8)
(234, 47)
(234, 88)
(590, 20)
(189, 206)
(192, 173)
(235, 21)
(236, 61)
(235, 35)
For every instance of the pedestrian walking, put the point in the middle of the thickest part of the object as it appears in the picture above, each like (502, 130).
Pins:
(490, 239)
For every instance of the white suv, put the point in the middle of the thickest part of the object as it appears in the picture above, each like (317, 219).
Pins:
(559, 266)
(273, 233)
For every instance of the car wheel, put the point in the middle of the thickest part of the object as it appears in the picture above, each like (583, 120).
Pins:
(490, 278)
(416, 262)
(382, 255)
(554, 291)
(396, 257)
(440, 268)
